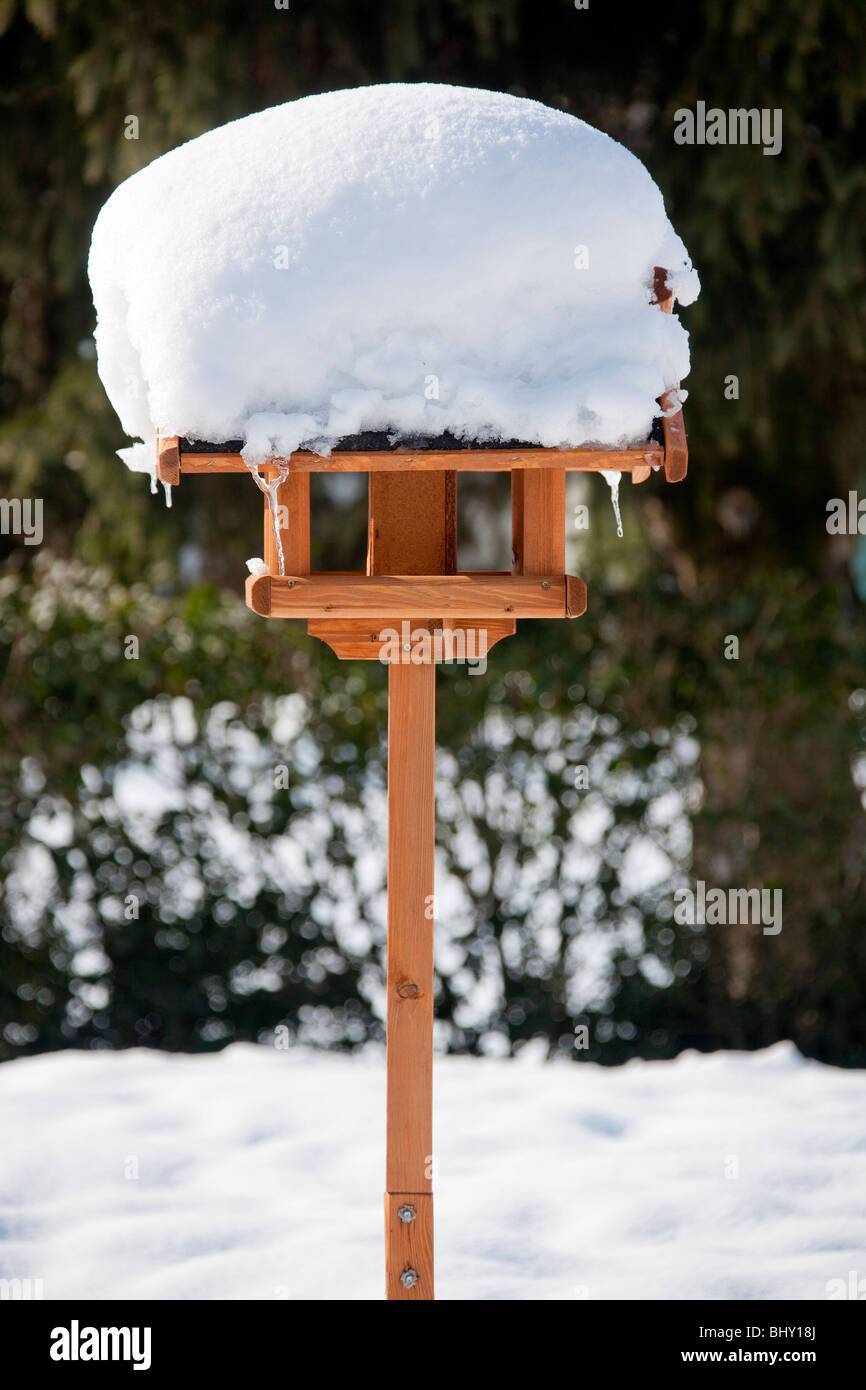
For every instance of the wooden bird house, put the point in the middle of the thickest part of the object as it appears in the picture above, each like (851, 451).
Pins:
(411, 579)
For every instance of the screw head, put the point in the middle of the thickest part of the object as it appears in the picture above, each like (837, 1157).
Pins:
(408, 1278)
(407, 647)
(545, 584)
(406, 1213)
(290, 584)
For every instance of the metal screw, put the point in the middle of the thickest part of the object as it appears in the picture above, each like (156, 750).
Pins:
(545, 584)
(290, 584)
(406, 1214)
(407, 647)
(408, 1278)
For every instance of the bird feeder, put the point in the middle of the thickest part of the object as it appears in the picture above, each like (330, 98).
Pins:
(412, 585)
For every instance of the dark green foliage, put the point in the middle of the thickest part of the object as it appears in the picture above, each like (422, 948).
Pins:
(228, 940)
(741, 548)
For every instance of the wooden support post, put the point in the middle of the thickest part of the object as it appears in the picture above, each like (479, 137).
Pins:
(538, 521)
(409, 1186)
(412, 530)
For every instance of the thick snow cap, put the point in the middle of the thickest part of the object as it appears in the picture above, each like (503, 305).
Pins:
(413, 258)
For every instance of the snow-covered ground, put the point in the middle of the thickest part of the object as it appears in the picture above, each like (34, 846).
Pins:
(259, 1176)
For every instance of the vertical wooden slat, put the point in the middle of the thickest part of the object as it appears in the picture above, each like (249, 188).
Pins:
(294, 495)
(412, 523)
(538, 521)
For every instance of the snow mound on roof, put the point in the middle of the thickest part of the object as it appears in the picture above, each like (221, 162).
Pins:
(414, 258)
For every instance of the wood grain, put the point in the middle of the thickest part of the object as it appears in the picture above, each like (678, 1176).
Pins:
(411, 704)
(400, 531)
(441, 460)
(359, 639)
(676, 448)
(257, 592)
(412, 523)
(168, 464)
(575, 596)
(409, 1245)
(483, 595)
(538, 522)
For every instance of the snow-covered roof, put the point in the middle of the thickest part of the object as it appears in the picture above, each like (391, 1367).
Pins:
(415, 258)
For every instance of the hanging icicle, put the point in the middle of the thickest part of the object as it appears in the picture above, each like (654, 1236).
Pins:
(613, 478)
(271, 491)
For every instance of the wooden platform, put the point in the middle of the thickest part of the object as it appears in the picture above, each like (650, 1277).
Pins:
(395, 596)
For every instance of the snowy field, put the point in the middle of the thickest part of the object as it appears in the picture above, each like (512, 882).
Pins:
(260, 1176)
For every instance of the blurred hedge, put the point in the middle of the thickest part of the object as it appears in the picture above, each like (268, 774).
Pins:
(245, 825)
(740, 548)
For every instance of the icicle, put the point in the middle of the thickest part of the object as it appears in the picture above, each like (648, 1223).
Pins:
(270, 489)
(167, 490)
(153, 487)
(612, 478)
